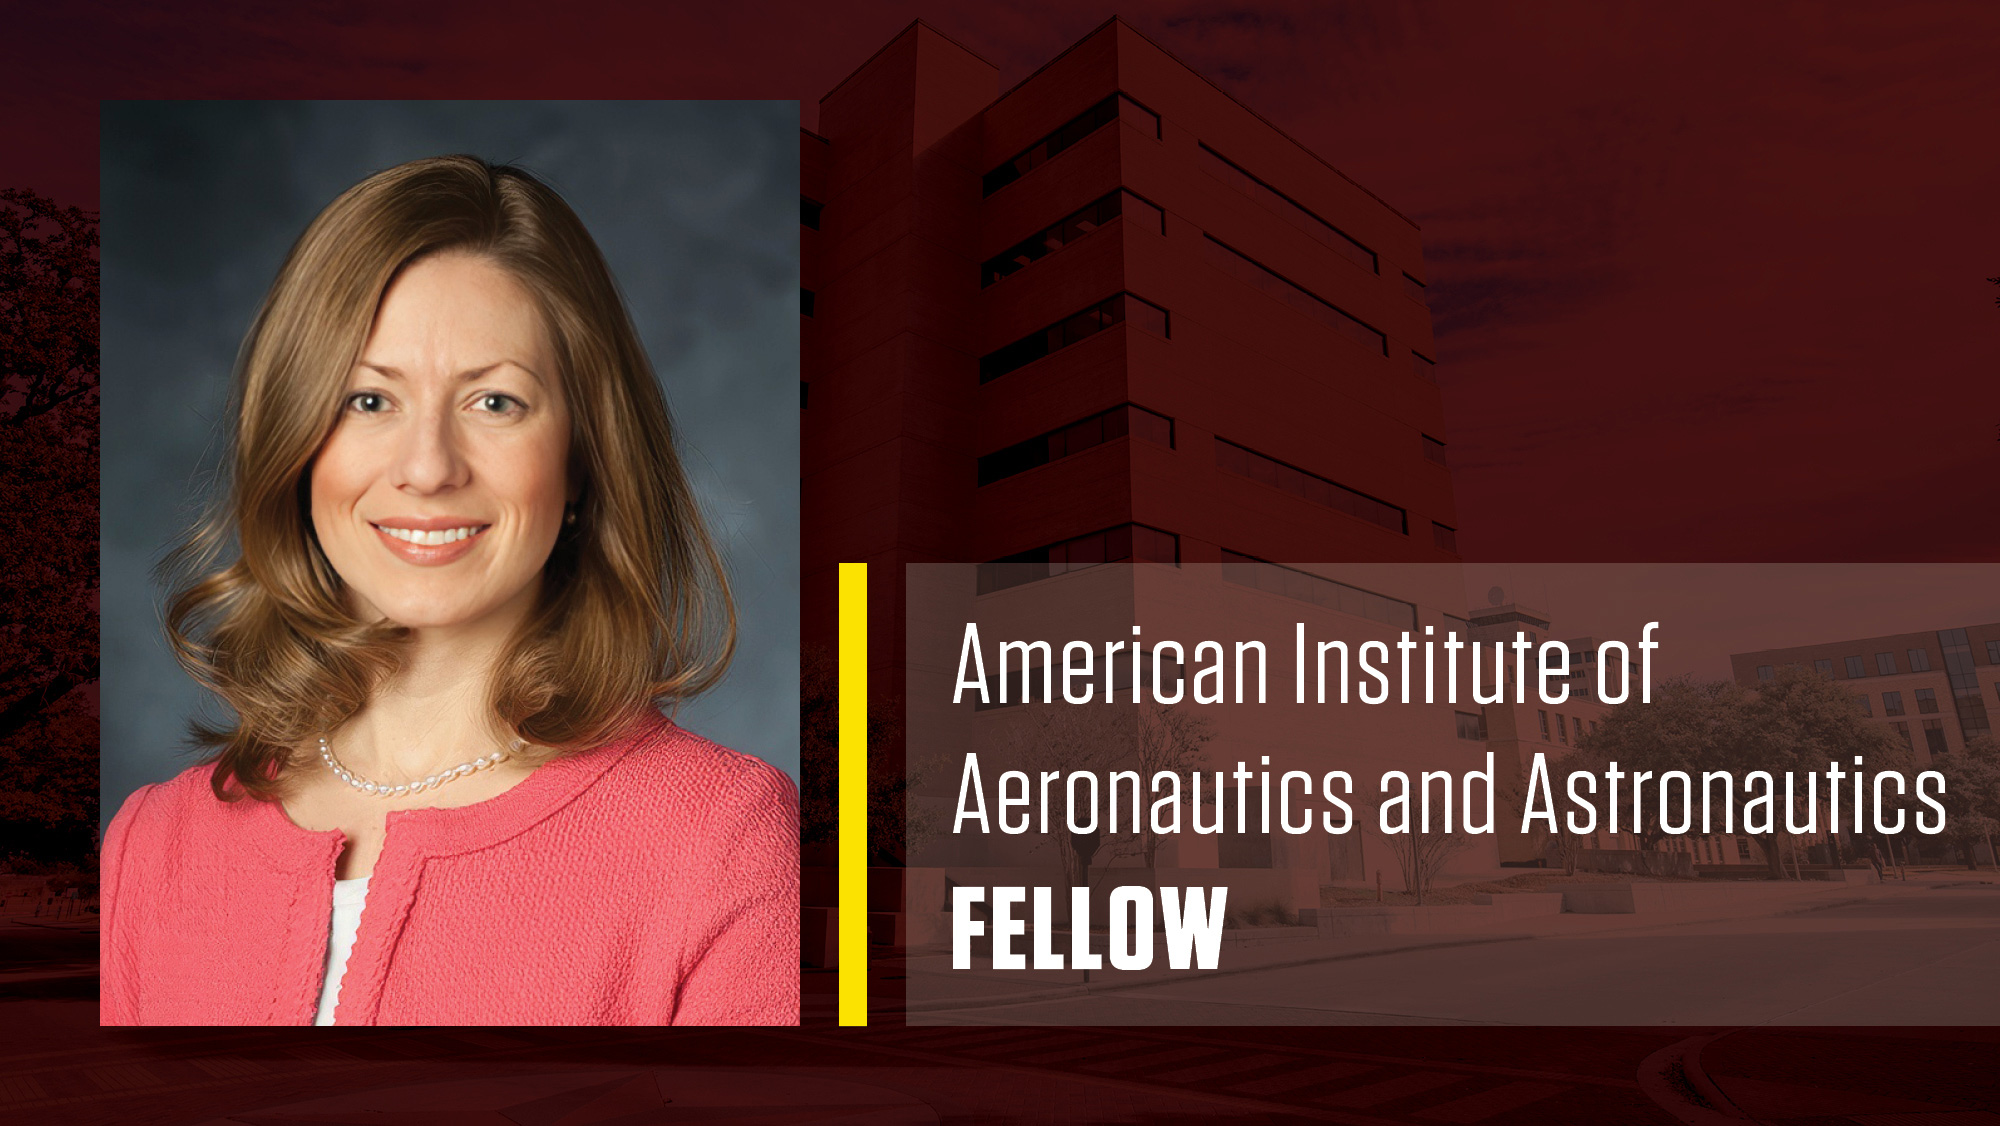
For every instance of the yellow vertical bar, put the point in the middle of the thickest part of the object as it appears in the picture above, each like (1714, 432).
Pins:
(853, 804)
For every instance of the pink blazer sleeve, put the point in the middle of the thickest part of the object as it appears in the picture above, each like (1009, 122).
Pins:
(749, 971)
(118, 996)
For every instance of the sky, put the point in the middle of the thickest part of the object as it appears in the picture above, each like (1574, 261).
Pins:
(1708, 279)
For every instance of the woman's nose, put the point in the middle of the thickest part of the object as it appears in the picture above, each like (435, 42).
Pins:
(430, 459)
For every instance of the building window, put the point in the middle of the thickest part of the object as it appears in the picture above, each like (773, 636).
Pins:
(1117, 107)
(1892, 703)
(1218, 166)
(1824, 668)
(809, 213)
(1766, 672)
(1118, 422)
(805, 392)
(1920, 660)
(1562, 729)
(1414, 290)
(1124, 543)
(1249, 463)
(1934, 737)
(1258, 276)
(1885, 664)
(1424, 366)
(1993, 652)
(1855, 669)
(1903, 729)
(1471, 726)
(1445, 538)
(1433, 449)
(1250, 571)
(1866, 708)
(1545, 723)
(1069, 330)
(805, 302)
(1926, 701)
(1070, 228)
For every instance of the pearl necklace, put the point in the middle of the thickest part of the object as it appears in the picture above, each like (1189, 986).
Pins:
(384, 790)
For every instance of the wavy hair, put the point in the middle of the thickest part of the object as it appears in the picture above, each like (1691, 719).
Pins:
(635, 607)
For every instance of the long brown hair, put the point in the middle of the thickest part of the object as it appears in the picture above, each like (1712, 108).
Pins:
(635, 606)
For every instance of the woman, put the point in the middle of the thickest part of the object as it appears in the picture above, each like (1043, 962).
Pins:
(468, 566)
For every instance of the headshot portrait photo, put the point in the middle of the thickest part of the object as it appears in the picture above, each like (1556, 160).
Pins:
(450, 509)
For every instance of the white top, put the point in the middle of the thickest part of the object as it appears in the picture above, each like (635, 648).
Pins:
(348, 898)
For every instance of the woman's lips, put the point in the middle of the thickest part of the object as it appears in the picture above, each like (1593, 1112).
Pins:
(432, 547)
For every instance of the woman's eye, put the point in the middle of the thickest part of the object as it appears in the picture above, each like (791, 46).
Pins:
(496, 403)
(367, 402)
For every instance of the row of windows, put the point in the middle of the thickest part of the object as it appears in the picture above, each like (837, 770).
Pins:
(1445, 538)
(1433, 449)
(1885, 664)
(1216, 165)
(1126, 542)
(1471, 725)
(1113, 108)
(1319, 490)
(1068, 229)
(1250, 571)
(1077, 326)
(1248, 270)
(1073, 329)
(1075, 438)
(1934, 740)
(1563, 727)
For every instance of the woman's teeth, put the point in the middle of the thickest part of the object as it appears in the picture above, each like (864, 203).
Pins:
(434, 539)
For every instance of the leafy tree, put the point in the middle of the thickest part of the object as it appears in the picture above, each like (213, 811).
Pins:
(1798, 722)
(1972, 797)
(48, 513)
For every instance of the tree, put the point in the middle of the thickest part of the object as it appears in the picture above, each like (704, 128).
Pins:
(1972, 797)
(1170, 738)
(1421, 854)
(890, 829)
(1800, 721)
(48, 513)
(1063, 739)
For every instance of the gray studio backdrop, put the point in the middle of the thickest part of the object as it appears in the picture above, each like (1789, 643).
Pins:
(695, 204)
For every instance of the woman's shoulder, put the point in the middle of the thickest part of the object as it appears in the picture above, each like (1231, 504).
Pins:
(164, 821)
(677, 775)
(660, 752)
(185, 796)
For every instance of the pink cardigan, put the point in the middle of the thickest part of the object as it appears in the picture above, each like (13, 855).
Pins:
(653, 880)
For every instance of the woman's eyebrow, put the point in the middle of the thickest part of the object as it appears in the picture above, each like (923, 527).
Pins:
(463, 377)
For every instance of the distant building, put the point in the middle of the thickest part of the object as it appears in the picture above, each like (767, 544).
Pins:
(1934, 690)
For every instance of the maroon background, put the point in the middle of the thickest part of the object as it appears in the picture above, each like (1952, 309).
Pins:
(1708, 284)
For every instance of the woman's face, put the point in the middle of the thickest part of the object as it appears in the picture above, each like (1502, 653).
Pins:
(440, 493)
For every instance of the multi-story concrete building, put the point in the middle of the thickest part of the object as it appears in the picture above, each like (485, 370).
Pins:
(1110, 313)
(1113, 315)
(1934, 689)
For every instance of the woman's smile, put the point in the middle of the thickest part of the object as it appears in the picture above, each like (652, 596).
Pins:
(429, 542)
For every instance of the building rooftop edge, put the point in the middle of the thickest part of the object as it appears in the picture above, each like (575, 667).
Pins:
(891, 42)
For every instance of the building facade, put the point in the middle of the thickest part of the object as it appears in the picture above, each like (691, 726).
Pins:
(1934, 690)
(1112, 315)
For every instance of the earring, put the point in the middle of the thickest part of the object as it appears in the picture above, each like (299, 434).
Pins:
(569, 515)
